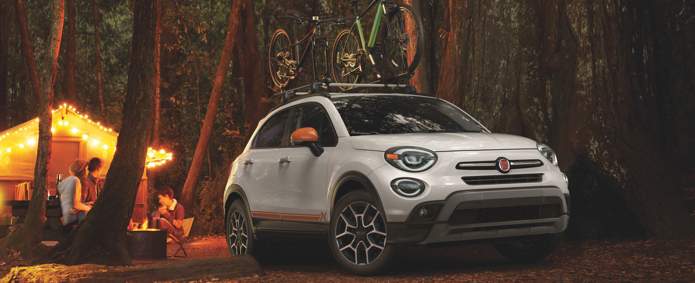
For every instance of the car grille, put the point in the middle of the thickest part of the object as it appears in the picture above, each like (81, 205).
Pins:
(501, 214)
(503, 179)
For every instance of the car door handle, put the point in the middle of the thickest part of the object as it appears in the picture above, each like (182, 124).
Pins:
(248, 161)
(285, 159)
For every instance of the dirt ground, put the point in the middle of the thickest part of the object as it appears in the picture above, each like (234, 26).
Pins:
(588, 261)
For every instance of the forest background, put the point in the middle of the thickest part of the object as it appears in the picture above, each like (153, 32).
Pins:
(610, 85)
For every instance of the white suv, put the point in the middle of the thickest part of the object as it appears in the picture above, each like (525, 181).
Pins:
(373, 172)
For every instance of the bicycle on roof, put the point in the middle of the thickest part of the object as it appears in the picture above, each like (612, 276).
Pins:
(286, 57)
(402, 42)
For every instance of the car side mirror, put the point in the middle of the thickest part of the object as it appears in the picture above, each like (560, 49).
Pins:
(309, 137)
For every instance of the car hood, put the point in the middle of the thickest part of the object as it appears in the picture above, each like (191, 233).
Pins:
(443, 141)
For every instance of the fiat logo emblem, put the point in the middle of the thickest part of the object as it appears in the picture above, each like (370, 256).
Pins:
(503, 165)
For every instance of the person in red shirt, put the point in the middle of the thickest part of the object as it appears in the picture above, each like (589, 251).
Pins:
(170, 215)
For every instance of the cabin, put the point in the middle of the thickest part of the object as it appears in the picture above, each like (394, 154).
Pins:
(75, 136)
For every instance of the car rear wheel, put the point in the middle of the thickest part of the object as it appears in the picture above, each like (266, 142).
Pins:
(358, 235)
(528, 251)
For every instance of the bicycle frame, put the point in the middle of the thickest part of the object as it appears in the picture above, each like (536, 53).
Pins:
(366, 46)
(311, 38)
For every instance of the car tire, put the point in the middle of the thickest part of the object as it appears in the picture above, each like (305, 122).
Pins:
(529, 251)
(239, 233)
(357, 235)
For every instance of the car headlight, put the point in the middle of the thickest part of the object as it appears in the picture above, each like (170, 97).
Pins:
(411, 159)
(547, 152)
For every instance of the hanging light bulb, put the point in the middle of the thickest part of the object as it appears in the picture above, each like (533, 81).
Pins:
(95, 142)
(9, 149)
(53, 130)
(21, 145)
(31, 141)
(85, 137)
(65, 123)
(150, 154)
(106, 147)
(161, 151)
(74, 130)
(60, 122)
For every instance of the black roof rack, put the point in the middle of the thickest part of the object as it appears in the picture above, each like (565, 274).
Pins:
(316, 87)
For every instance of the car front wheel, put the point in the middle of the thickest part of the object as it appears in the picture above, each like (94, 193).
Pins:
(358, 235)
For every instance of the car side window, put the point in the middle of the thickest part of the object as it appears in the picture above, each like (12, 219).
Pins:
(273, 131)
(312, 115)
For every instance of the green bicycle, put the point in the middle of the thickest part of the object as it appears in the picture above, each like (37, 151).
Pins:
(402, 42)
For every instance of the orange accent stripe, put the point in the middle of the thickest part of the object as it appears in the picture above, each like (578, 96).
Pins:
(392, 156)
(288, 216)
(265, 214)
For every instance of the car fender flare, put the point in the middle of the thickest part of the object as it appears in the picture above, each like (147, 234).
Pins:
(364, 181)
(236, 189)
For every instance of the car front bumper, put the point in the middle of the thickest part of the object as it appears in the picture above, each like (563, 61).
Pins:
(483, 215)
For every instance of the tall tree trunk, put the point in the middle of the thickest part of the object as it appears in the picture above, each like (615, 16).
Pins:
(101, 237)
(31, 233)
(170, 81)
(28, 49)
(576, 75)
(71, 56)
(255, 80)
(97, 49)
(189, 188)
(157, 77)
(420, 78)
(4, 44)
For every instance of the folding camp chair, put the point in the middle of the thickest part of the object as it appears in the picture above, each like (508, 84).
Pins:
(187, 223)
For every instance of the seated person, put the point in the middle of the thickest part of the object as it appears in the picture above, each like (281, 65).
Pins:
(71, 194)
(170, 215)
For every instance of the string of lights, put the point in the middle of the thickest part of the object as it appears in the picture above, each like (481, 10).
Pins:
(154, 157)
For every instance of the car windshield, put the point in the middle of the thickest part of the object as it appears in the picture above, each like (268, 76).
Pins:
(390, 114)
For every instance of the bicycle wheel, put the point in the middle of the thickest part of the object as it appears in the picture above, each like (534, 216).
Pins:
(347, 58)
(281, 59)
(404, 44)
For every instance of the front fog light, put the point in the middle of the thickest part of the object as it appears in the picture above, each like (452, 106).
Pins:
(408, 187)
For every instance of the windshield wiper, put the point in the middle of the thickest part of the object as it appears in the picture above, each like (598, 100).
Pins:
(363, 133)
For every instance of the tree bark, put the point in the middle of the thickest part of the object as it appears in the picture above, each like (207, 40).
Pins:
(31, 233)
(28, 49)
(71, 55)
(576, 75)
(101, 237)
(254, 92)
(189, 188)
(97, 50)
(4, 46)
(157, 77)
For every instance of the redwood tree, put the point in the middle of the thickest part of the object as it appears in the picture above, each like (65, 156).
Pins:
(4, 43)
(254, 76)
(27, 48)
(31, 233)
(71, 54)
(100, 238)
(187, 198)
(97, 50)
(578, 76)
